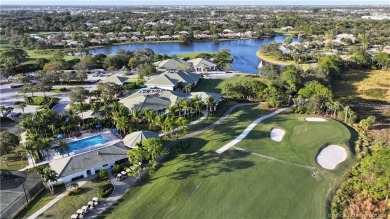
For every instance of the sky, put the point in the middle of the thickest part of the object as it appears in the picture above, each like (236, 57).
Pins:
(193, 2)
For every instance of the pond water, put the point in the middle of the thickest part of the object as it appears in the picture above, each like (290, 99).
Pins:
(243, 51)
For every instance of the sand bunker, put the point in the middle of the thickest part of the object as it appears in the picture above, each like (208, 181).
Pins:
(315, 119)
(330, 156)
(277, 134)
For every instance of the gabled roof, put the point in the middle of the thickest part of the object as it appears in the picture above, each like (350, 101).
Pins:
(132, 139)
(85, 161)
(115, 79)
(199, 62)
(168, 64)
(143, 102)
(161, 80)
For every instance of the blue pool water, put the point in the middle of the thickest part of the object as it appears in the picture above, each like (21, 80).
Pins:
(86, 142)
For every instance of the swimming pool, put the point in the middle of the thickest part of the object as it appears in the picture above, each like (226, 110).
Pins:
(86, 142)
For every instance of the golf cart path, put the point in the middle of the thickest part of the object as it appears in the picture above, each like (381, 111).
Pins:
(247, 130)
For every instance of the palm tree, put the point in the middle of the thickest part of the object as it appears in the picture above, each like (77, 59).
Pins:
(160, 120)
(149, 116)
(335, 107)
(49, 176)
(169, 124)
(136, 115)
(182, 123)
(347, 112)
(123, 124)
(210, 103)
(33, 141)
(185, 106)
(21, 106)
(61, 146)
(45, 145)
(187, 88)
(136, 156)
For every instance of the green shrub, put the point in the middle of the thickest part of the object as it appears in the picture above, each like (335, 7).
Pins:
(106, 191)
(103, 174)
(116, 169)
(63, 89)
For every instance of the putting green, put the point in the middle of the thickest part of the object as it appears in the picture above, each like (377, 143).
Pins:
(198, 183)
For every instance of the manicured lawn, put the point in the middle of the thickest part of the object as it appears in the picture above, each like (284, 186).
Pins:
(215, 85)
(39, 100)
(273, 61)
(34, 55)
(198, 183)
(278, 30)
(192, 55)
(68, 205)
(40, 201)
(363, 86)
(14, 161)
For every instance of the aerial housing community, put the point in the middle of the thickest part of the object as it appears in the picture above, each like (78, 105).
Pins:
(195, 112)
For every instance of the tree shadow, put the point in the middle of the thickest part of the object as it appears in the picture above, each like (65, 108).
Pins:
(207, 163)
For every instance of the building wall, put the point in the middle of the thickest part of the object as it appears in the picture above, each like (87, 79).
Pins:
(161, 87)
(94, 170)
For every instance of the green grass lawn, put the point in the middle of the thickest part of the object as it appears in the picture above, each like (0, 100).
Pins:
(278, 30)
(13, 161)
(198, 183)
(39, 201)
(215, 85)
(273, 61)
(68, 205)
(192, 55)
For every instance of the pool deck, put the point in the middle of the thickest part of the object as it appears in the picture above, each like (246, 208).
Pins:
(106, 134)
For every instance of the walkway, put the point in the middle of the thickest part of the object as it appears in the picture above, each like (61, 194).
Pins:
(59, 197)
(120, 188)
(247, 130)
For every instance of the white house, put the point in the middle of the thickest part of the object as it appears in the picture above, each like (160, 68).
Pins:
(202, 65)
(88, 163)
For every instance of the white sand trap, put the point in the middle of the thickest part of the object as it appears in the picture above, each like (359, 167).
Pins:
(315, 119)
(330, 156)
(277, 134)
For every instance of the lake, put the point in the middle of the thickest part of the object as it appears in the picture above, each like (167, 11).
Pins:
(243, 51)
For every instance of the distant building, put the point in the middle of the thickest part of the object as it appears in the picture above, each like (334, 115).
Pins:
(203, 65)
(170, 81)
(169, 64)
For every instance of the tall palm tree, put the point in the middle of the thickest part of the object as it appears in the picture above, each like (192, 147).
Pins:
(45, 144)
(61, 146)
(149, 116)
(347, 112)
(210, 103)
(49, 176)
(123, 124)
(187, 88)
(21, 106)
(181, 124)
(136, 115)
(160, 120)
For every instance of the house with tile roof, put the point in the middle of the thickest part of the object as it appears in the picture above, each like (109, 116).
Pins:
(171, 80)
(203, 65)
(169, 64)
(115, 79)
